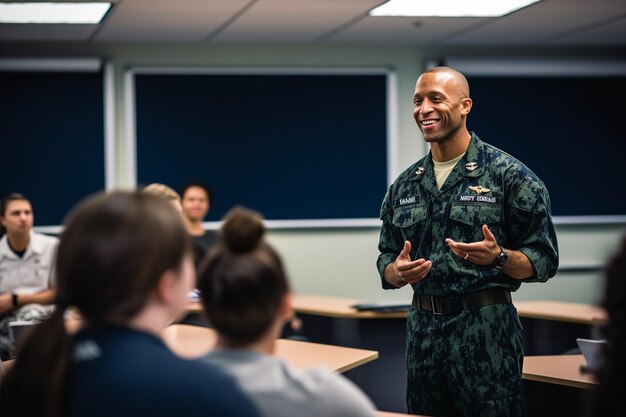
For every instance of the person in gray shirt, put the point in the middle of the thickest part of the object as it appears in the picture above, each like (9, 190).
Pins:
(246, 296)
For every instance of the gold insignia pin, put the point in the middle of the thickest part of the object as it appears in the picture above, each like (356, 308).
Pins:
(470, 166)
(479, 189)
(420, 171)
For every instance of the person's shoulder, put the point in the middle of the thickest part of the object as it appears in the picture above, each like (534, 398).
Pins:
(4, 246)
(137, 366)
(45, 239)
(409, 173)
(252, 369)
(43, 244)
(202, 371)
(508, 164)
(211, 388)
(346, 398)
(324, 377)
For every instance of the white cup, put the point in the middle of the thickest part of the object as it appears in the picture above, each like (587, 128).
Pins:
(20, 329)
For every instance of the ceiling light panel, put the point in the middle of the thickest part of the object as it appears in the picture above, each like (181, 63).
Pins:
(65, 13)
(450, 8)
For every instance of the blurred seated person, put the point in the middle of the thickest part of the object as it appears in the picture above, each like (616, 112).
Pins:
(26, 270)
(127, 286)
(196, 201)
(164, 191)
(607, 399)
(246, 297)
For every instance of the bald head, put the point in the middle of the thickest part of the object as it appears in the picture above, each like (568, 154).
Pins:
(456, 81)
(441, 104)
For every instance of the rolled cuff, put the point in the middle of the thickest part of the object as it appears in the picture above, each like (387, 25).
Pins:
(383, 260)
(542, 264)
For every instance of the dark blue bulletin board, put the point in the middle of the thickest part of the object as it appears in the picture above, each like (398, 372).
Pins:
(569, 130)
(292, 146)
(52, 139)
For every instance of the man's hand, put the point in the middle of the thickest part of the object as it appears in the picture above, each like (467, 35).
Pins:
(484, 252)
(405, 271)
(6, 303)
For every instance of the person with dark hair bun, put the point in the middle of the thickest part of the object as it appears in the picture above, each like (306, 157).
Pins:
(26, 270)
(125, 263)
(607, 400)
(246, 296)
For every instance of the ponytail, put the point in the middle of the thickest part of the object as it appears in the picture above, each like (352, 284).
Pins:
(36, 385)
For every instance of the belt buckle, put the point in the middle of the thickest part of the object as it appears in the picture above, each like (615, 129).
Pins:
(433, 306)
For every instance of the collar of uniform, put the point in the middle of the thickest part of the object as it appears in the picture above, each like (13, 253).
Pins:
(35, 244)
(423, 172)
(471, 165)
(420, 169)
(474, 156)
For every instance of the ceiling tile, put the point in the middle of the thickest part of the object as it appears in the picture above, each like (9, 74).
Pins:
(612, 33)
(293, 21)
(46, 32)
(166, 20)
(406, 30)
(522, 30)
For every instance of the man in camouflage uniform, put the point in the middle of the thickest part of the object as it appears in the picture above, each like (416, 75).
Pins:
(464, 227)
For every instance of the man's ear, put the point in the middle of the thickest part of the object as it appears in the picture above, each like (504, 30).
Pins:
(466, 105)
(165, 288)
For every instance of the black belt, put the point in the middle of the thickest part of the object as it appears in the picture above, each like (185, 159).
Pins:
(456, 304)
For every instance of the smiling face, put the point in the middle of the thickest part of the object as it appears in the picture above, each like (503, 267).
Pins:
(440, 105)
(195, 203)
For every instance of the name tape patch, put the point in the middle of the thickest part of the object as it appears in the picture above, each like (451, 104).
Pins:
(480, 199)
(405, 201)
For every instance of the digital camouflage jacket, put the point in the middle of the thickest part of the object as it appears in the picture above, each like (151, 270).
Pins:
(487, 186)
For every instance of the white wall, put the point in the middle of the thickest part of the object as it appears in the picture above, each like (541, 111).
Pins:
(342, 262)
(336, 261)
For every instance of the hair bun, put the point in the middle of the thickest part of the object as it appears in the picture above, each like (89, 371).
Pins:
(242, 230)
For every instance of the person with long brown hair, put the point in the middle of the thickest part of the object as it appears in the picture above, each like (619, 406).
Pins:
(246, 296)
(124, 262)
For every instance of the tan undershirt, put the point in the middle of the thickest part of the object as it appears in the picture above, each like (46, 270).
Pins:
(443, 169)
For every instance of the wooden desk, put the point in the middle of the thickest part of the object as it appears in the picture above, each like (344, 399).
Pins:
(561, 311)
(194, 307)
(329, 306)
(322, 305)
(193, 341)
(554, 385)
(551, 327)
(558, 369)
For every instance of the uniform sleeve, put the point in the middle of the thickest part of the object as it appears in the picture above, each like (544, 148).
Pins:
(530, 227)
(390, 242)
